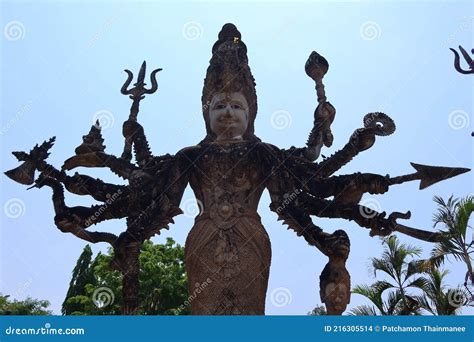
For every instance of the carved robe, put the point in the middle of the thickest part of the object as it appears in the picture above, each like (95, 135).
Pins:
(227, 249)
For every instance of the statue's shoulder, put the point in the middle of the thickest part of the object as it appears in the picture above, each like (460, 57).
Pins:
(270, 154)
(268, 147)
(190, 149)
(189, 153)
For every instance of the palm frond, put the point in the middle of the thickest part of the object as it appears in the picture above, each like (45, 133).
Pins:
(383, 265)
(380, 286)
(417, 267)
(393, 302)
(464, 211)
(425, 304)
(420, 283)
(371, 293)
(445, 213)
(363, 310)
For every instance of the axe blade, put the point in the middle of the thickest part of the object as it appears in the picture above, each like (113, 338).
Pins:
(23, 174)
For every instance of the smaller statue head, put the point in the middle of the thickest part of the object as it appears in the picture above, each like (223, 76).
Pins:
(336, 298)
(335, 288)
(229, 116)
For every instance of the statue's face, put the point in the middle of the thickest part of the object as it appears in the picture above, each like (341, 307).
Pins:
(228, 116)
(336, 296)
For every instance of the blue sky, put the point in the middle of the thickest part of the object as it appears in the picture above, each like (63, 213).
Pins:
(62, 65)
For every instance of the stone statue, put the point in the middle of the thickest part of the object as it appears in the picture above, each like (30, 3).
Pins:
(335, 281)
(228, 248)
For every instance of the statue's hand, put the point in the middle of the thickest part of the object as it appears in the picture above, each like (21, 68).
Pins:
(66, 222)
(375, 184)
(130, 128)
(362, 183)
(388, 225)
(323, 118)
(362, 139)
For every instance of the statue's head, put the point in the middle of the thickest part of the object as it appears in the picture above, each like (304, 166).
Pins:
(336, 298)
(229, 116)
(335, 288)
(229, 90)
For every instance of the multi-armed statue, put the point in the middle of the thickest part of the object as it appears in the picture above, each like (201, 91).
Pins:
(228, 170)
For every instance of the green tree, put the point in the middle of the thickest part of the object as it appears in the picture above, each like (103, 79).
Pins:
(81, 275)
(436, 298)
(454, 216)
(402, 275)
(29, 306)
(163, 283)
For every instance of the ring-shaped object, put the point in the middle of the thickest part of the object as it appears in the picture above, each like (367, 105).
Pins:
(381, 123)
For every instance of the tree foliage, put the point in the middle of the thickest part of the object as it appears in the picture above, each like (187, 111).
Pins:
(29, 306)
(163, 283)
(402, 275)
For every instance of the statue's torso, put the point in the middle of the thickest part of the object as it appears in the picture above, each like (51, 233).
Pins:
(228, 247)
(228, 180)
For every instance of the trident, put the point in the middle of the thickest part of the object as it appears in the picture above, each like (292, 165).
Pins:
(137, 93)
(467, 58)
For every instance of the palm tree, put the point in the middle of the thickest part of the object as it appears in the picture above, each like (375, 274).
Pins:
(454, 215)
(403, 275)
(438, 300)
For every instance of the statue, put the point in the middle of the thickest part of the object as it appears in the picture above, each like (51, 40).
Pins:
(335, 281)
(228, 248)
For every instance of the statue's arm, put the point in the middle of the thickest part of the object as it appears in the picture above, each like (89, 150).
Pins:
(120, 167)
(284, 193)
(174, 178)
(347, 188)
(362, 139)
(136, 135)
(80, 184)
(77, 219)
(378, 223)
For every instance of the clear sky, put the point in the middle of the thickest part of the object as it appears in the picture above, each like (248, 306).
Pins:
(62, 65)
